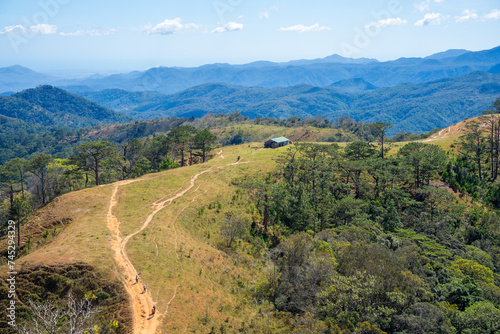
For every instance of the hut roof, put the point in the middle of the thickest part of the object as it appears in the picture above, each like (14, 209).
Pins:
(280, 140)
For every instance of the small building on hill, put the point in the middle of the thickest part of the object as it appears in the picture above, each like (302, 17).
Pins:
(277, 142)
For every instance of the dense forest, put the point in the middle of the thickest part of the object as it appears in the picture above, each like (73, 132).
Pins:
(360, 241)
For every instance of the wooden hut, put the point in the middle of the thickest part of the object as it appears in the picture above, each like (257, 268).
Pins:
(277, 142)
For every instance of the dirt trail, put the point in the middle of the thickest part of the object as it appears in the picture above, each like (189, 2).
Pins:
(142, 302)
(449, 131)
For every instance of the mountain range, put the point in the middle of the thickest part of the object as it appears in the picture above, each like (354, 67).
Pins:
(409, 107)
(317, 72)
(414, 94)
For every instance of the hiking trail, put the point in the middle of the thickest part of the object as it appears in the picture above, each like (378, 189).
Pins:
(142, 302)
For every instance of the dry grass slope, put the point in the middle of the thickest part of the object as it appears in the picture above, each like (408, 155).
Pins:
(194, 285)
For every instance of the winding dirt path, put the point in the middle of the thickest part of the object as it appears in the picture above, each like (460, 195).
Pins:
(142, 302)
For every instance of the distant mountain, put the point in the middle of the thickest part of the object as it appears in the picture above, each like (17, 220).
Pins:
(336, 59)
(353, 85)
(15, 78)
(317, 72)
(50, 106)
(121, 100)
(495, 69)
(448, 54)
(486, 57)
(410, 107)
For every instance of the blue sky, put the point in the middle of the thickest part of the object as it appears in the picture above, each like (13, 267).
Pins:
(121, 35)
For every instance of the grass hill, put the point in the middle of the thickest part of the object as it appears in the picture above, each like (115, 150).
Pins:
(171, 243)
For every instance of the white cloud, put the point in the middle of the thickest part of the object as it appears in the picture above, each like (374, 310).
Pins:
(431, 19)
(494, 15)
(396, 21)
(39, 29)
(424, 6)
(265, 14)
(303, 28)
(92, 33)
(43, 29)
(466, 16)
(169, 27)
(230, 26)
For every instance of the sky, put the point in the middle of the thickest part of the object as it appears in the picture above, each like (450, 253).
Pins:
(105, 36)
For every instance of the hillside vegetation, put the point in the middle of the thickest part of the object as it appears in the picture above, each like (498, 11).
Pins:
(50, 106)
(311, 238)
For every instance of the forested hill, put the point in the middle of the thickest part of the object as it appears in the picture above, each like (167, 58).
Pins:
(50, 106)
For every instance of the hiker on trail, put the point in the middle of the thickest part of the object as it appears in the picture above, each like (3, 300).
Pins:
(144, 286)
(238, 158)
(153, 311)
(137, 279)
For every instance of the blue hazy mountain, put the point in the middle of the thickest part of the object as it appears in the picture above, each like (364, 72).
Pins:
(448, 54)
(316, 72)
(353, 85)
(409, 106)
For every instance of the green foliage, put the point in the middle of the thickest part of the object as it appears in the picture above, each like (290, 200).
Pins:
(481, 317)
(473, 269)
(392, 245)
(47, 105)
(204, 141)
(167, 164)
(90, 156)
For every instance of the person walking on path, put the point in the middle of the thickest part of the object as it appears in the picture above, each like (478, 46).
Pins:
(144, 286)
(137, 279)
(238, 158)
(153, 311)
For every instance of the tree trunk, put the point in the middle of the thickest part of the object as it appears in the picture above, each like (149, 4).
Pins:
(266, 211)
(18, 233)
(96, 171)
(417, 185)
(42, 179)
(11, 194)
(22, 184)
(382, 141)
(497, 144)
